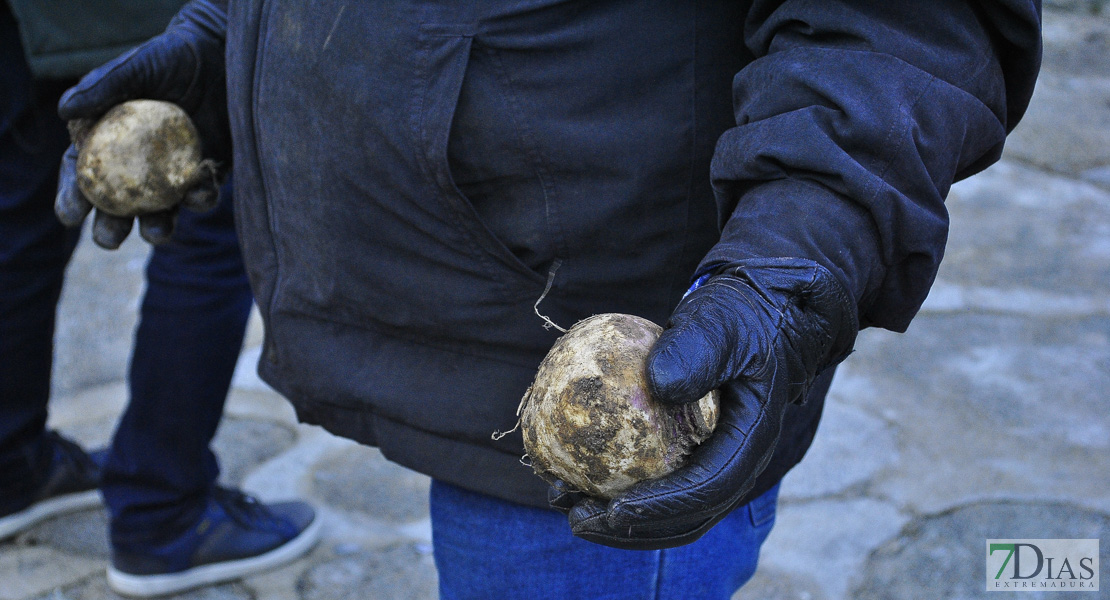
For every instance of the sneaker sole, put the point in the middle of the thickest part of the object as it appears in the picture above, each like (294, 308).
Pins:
(41, 511)
(143, 586)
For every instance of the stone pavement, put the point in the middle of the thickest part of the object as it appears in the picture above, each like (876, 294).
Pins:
(987, 419)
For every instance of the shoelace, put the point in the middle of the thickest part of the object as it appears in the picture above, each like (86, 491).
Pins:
(247, 510)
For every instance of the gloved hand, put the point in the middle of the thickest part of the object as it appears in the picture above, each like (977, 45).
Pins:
(183, 65)
(760, 332)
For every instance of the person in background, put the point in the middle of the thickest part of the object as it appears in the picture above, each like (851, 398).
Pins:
(171, 526)
(766, 177)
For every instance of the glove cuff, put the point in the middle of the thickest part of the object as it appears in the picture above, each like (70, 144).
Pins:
(830, 315)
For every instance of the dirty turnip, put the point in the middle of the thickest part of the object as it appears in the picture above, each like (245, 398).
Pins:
(141, 157)
(589, 420)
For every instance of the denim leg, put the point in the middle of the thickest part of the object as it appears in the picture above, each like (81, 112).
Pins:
(490, 548)
(34, 250)
(161, 469)
(724, 559)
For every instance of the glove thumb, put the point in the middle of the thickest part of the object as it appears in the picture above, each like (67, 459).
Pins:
(698, 352)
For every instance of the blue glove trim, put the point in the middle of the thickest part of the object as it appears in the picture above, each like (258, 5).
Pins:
(700, 281)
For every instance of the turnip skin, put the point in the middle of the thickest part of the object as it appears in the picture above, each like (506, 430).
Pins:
(589, 420)
(141, 157)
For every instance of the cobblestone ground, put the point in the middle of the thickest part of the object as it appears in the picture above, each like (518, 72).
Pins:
(987, 419)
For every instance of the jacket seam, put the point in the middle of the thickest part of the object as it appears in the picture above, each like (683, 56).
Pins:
(438, 172)
(535, 155)
(271, 221)
(679, 280)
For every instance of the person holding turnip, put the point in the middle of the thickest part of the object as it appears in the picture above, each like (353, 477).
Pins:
(171, 526)
(762, 178)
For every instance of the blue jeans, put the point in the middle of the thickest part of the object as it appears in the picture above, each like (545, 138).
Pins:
(161, 469)
(34, 250)
(194, 313)
(490, 548)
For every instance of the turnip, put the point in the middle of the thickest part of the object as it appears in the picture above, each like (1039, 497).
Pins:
(141, 157)
(589, 420)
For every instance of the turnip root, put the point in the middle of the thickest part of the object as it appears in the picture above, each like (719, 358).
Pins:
(141, 157)
(589, 420)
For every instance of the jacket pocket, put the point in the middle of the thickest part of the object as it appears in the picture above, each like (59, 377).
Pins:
(505, 224)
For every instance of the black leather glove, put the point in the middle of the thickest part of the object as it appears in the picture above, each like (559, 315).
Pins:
(759, 331)
(183, 65)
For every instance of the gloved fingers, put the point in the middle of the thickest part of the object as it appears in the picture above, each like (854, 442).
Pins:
(718, 472)
(588, 521)
(711, 340)
(715, 475)
(562, 498)
(70, 205)
(109, 231)
(588, 516)
(204, 196)
(157, 228)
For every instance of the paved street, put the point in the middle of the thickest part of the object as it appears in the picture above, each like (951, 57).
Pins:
(987, 419)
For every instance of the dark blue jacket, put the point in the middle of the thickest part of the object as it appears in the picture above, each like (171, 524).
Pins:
(409, 173)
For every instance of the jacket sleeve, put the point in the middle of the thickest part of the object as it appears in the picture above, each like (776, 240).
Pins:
(851, 125)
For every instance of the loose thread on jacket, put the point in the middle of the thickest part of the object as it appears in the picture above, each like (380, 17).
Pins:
(548, 323)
